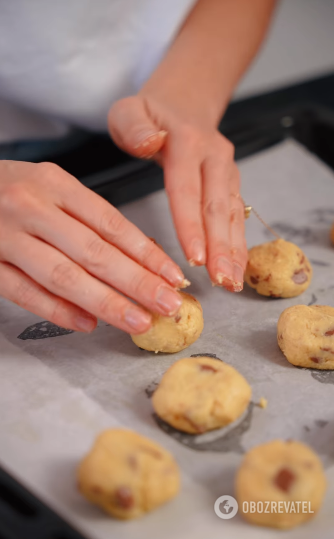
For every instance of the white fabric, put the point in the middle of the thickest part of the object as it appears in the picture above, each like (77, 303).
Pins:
(63, 62)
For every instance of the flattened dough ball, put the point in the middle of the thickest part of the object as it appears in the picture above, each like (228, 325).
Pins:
(306, 336)
(278, 269)
(127, 474)
(172, 334)
(285, 473)
(197, 394)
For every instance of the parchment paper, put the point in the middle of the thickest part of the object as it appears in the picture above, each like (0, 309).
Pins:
(58, 392)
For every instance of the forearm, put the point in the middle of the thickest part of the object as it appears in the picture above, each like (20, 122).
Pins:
(209, 55)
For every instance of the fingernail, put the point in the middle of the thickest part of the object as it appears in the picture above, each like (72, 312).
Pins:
(238, 273)
(168, 300)
(147, 137)
(185, 283)
(86, 324)
(198, 253)
(137, 319)
(172, 274)
(224, 270)
(237, 287)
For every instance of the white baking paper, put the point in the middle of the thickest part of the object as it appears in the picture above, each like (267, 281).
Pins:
(58, 392)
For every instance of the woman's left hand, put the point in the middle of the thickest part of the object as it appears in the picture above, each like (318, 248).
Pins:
(201, 179)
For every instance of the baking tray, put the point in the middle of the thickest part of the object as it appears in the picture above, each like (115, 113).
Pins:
(60, 389)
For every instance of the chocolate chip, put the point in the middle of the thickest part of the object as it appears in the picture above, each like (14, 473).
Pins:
(330, 350)
(124, 498)
(284, 479)
(315, 359)
(267, 278)
(177, 318)
(299, 277)
(133, 463)
(272, 295)
(254, 280)
(329, 333)
(207, 368)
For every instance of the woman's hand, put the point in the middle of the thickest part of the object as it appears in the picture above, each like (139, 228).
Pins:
(201, 179)
(65, 254)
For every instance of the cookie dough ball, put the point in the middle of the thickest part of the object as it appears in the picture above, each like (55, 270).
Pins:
(172, 334)
(127, 474)
(197, 394)
(278, 269)
(289, 476)
(306, 336)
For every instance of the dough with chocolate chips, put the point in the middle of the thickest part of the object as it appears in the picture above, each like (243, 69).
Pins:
(127, 474)
(283, 473)
(172, 334)
(306, 336)
(197, 394)
(278, 269)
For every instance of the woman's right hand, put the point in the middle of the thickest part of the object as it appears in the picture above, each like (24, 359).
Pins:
(66, 253)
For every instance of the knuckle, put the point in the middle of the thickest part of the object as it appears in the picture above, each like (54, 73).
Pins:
(237, 215)
(147, 253)
(60, 312)
(64, 275)
(26, 295)
(215, 207)
(49, 171)
(140, 284)
(112, 224)
(95, 253)
(14, 198)
(107, 306)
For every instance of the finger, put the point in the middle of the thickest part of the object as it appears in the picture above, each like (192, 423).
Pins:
(216, 210)
(67, 280)
(20, 289)
(104, 261)
(97, 214)
(133, 130)
(183, 187)
(237, 232)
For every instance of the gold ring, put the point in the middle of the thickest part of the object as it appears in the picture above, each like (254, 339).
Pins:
(247, 210)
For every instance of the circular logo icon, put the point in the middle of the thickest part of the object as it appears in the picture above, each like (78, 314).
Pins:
(226, 507)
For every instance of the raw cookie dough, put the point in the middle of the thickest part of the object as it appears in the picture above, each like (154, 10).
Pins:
(172, 334)
(278, 269)
(278, 471)
(197, 394)
(306, 336)
(127, 474)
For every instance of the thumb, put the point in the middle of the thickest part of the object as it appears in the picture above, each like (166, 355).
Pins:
(133, 130)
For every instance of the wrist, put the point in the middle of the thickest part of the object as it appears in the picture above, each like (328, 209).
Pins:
(185, 100)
